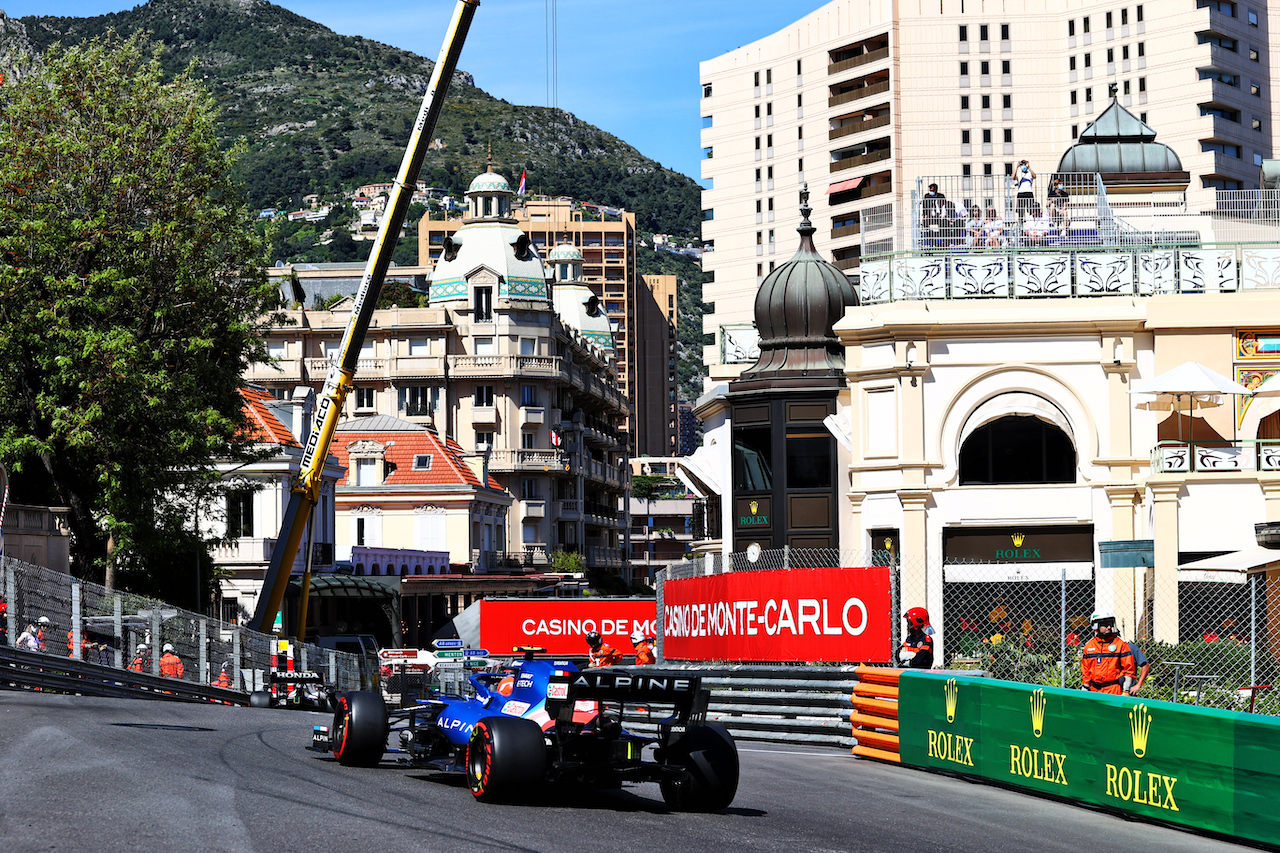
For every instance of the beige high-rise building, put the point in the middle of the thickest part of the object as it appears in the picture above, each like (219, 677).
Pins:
(868, 101)
(641, 310)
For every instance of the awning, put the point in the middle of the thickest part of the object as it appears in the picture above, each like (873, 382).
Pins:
(843, 186)
(1236, 561)
(348, 586)
(1016, 403)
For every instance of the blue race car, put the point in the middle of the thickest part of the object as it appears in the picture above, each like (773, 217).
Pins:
(546, 721)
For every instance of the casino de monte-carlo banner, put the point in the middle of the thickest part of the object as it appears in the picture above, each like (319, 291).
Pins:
(833, 615)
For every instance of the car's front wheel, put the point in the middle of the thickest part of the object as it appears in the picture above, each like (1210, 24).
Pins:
(506, 757)
(708, 777)
(360, 727)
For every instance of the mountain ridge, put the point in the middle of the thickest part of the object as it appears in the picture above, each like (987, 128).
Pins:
(322, 111)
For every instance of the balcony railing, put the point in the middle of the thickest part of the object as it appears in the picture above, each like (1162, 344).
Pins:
(504, 365)
(528, 460)
(857, 126)
(856, 61)
(1211, 457)
(857, 94)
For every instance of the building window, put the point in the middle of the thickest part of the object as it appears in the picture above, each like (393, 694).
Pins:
(484, 440)
(484, 304)
(964, 33)
(528, 440)
(1075, 131)
(1138, 13)
(1142, 49)
(419, 400)
(1084, 23)
(706, 90)
(1008, 170)
(768, 76)
(366, 472)
(986, 136)
(1071, 28)
(1108, 20)
(964, 137)
(984, 32)
(986, 68)
(966, 170)
(1006, 67)
(364, 398)
(1111, 55)
(964, 102)
(1071, 63)
(964, 69)
(1253, 54)
(484, 396)
(1088, 60)
(528, 395)
(1124, 52)
(1074, 97)
(1004, 32)
(1017, 449)
(1142, 84)
(986, 169)
(1124, 17)
(1257, 123)
(360, 531)
(756, 80)
(422, 462)
(1008, 134)
(1253, 18)
(1006, 101)
(239, 513)
(1088, 96)
(528, 489)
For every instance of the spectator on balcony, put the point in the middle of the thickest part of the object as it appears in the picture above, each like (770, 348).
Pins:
(1037, 228)
(933, 217)
(973, 228)
(1025, 180)
(1058, 198)
(993, 230)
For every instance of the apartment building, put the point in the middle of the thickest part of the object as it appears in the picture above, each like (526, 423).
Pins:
(511, 368)
(863, 100)
(641, 309)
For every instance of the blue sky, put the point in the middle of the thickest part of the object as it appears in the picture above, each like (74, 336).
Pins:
(629, 68)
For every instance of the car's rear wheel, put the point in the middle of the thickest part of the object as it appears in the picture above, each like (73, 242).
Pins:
(506, 757)
(709, 778)
(259, 699)
(360, 727)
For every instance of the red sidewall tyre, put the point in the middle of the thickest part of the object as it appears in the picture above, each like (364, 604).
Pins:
(359, 729)
(506, 759)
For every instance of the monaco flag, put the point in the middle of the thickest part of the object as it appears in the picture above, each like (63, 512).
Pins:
(523, 176)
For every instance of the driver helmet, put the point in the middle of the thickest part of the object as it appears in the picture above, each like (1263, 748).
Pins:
(1102, 619)
(637, 637)
(593, 639)
(917, 617)
(167, 647)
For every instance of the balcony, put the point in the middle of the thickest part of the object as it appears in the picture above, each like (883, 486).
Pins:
(1215, 457)
(417, 367)
(366, 368)
(856, 61)
(246, 550)
(598, 557)
(532, 416)
(569, 510)
(858, 126)
(858, 94)
(528, 460)
(504, 365)
(284, 370)
(860, 160)
(484, 416)
(535, 509)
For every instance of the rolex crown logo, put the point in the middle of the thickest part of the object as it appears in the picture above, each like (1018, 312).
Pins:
(952, 692)
(755, 505)
(1140, 727)
(1037, 711)
(1018, 539)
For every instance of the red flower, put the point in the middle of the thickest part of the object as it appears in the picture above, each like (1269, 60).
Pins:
(1209, 637)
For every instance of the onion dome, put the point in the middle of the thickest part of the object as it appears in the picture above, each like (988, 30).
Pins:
(564, 252)
(580, 309)
(565, 262)
(796, 307)
(1123, 150)
(489, 182)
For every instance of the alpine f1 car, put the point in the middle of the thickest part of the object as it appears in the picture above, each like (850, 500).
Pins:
(549, 722)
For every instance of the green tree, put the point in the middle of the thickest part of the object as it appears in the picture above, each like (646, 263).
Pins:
(132, 298)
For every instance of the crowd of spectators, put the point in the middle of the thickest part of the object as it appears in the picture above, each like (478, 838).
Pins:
(1024, 222)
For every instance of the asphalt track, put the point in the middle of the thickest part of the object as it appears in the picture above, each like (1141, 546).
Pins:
(87, 774)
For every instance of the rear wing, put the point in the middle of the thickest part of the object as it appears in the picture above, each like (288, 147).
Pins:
(295, 676)
(682, 691)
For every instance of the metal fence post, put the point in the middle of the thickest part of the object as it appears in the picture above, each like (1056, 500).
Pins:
(235, 651)
(1062, 629)
(333, 668)
(75, 621)
(1253, 630)
(204, 651)
(117, 625)
(155, 639)
(13, 604)
(786, 556)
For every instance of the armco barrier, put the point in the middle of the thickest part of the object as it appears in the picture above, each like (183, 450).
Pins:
(791, 704)
(1204, 768)
(875, 713)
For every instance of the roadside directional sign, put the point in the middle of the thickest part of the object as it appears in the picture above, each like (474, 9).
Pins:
(475, 653)
(449, 653)
(449, 664)
(477, 662)
(447, 644)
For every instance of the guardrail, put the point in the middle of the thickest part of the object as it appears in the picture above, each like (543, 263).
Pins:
(783, 704)
(42, 671)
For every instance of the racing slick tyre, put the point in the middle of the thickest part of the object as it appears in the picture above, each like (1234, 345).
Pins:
(709, 779)
(506, 757)
(359, 733)
(259, 699)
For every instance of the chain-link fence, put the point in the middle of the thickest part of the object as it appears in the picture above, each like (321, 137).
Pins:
(1210, 637)
(60, 615)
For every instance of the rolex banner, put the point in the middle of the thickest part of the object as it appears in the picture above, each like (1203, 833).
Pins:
(1201, 767)
(831, 615)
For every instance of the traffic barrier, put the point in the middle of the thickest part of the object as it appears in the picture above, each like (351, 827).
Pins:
(875, 713)
(1205, 768)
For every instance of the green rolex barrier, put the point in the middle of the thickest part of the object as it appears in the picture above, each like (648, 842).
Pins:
(1201, 767)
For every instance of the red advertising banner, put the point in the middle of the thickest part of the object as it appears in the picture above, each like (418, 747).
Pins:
(560, 625)
(836, 615)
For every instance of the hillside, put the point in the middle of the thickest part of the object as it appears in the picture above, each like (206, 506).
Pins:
(322, 111)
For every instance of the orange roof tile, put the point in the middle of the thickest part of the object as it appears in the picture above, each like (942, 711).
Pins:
(446, 468)
(264, 427)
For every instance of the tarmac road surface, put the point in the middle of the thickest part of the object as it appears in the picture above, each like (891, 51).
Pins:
(88, 774)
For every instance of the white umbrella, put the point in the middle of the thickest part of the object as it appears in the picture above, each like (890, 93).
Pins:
(1192, 380)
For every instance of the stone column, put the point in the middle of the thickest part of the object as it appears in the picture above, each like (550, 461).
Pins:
(915, 551)
(853, 537)
(1165, 583)
(1124, 587)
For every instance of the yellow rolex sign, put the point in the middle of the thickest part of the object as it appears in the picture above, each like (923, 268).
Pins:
(1202, 767)
(753, 512)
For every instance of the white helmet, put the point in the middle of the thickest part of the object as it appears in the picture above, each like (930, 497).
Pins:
(637, 637)
(1100, 616)
(167, 647)
(142, 647)
(42, 621)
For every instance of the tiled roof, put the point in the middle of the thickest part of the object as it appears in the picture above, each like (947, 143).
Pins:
(405, 441)
(265, 427)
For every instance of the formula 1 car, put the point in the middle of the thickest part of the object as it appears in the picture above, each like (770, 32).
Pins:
(301, 690)
(548, 722)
